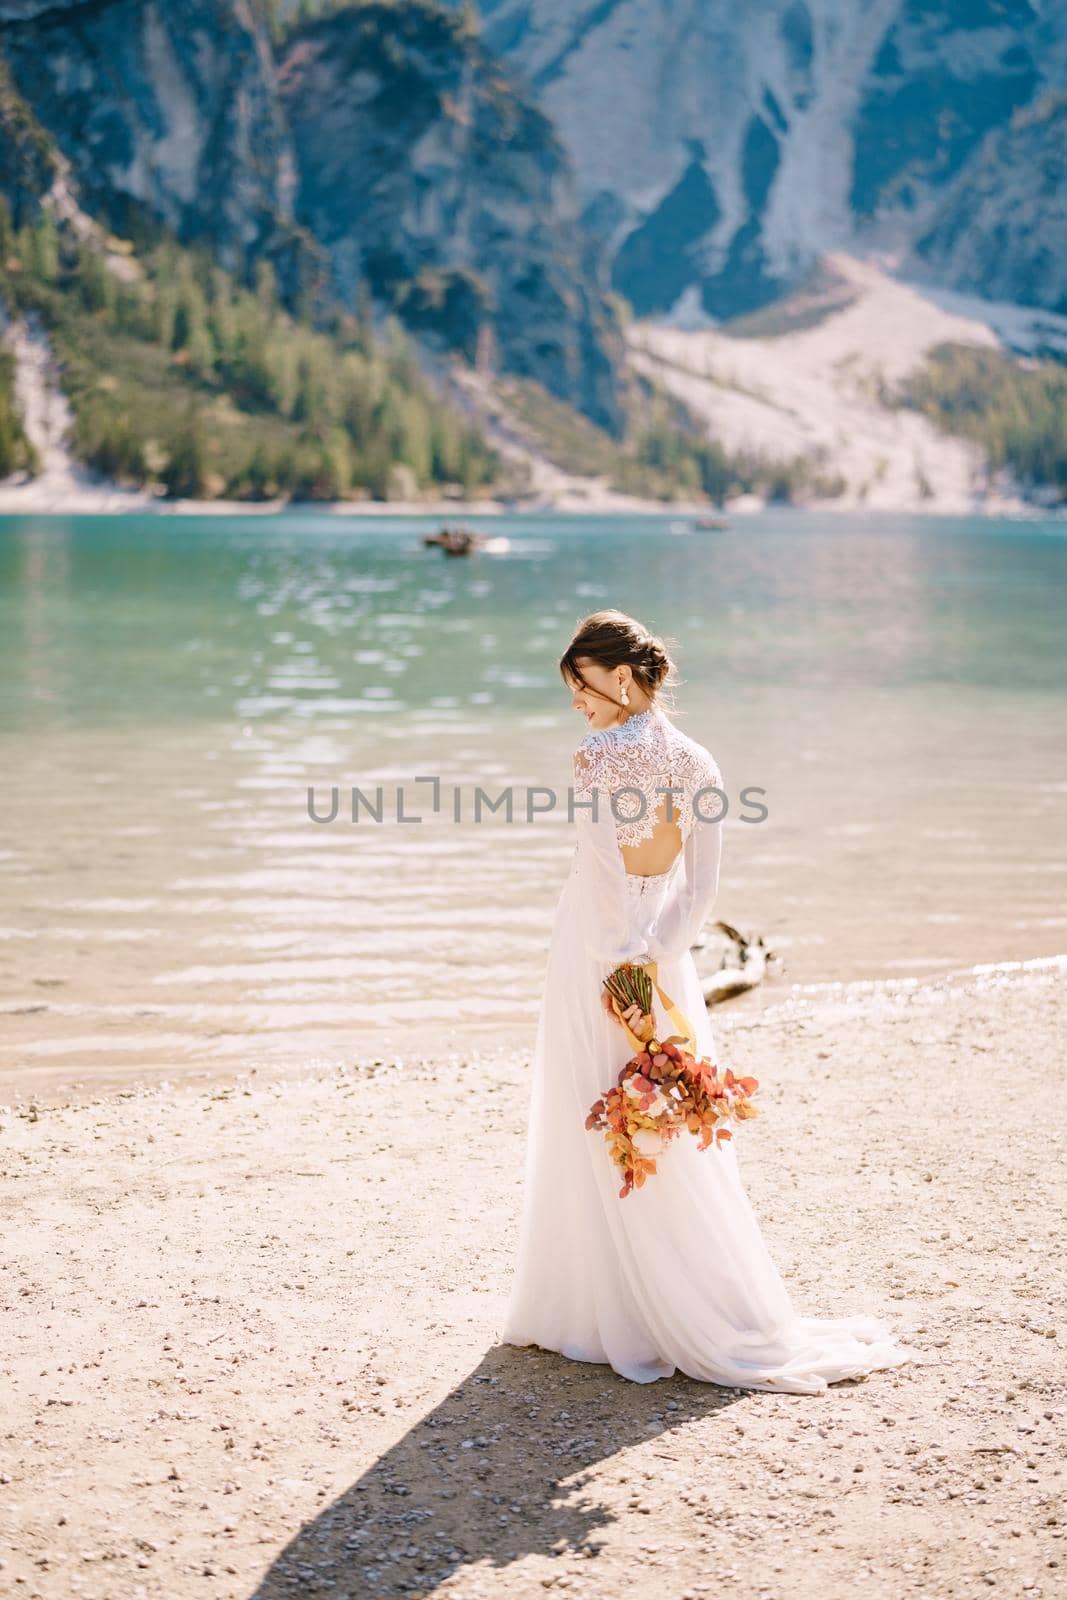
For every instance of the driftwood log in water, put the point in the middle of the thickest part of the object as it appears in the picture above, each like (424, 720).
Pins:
(742, 967)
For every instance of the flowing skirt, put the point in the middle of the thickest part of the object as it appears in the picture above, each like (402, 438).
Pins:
(677, 1275)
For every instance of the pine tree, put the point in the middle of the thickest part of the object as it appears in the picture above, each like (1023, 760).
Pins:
(95, 282)
(185, 474)
(44, 255)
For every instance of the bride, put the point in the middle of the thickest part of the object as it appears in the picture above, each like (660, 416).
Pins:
(676, 1276)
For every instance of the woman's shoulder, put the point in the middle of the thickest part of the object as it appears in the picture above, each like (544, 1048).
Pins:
(597, 739)
(605, 756)
(647, 738)
(697, 756)
(590, 753)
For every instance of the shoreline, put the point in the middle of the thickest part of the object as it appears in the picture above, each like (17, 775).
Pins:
(764, 1008)
(33, 499)
(248, 1334)
(120, 505)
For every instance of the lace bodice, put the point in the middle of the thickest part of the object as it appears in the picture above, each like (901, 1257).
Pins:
(623, 780)
(638, 762)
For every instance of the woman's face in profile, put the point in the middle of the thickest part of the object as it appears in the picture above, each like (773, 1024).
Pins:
(599, 704)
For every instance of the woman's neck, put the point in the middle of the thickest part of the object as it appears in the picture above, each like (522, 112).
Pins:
(639, 711)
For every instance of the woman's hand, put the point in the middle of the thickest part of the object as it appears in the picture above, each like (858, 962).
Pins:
(639, 1022)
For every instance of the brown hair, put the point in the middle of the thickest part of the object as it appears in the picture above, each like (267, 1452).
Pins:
(612, 639)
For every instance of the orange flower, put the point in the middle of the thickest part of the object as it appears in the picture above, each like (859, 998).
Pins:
(663, 1092)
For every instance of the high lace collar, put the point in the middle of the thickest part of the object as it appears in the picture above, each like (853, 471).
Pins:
(640, 720)
(640, 723)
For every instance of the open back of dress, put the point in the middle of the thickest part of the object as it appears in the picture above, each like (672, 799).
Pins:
(648, 803)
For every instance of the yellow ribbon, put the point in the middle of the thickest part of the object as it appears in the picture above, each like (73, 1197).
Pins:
(677, 1017)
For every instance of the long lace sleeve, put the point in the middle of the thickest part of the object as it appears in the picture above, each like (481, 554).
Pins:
(694, 888)
(603, 903)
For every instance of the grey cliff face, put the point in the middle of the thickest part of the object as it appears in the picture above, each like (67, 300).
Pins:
(1002, 231)
(423, 171)
(25, 10)
(719, 149)
(392, 135)
(165, 105)
(28, 161)
(699, 157)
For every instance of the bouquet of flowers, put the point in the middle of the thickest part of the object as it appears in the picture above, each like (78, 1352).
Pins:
(664, 1088)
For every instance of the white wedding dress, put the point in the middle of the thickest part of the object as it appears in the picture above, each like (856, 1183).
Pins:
(676, 1276)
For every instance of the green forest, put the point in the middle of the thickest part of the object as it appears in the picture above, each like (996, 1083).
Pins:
(1015, 410)
(184, 381)
(16, 452)
(179, 377)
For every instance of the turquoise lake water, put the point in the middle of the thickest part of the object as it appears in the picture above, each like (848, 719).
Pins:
(170, 687)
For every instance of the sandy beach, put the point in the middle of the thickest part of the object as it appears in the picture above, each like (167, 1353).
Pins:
(252, 1332)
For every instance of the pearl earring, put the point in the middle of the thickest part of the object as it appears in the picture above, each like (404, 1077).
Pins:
(626, 697)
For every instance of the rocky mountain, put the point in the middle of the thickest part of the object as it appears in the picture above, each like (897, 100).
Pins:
(490, 177)
(384, 148)
(165, 109)
(28, 162)
(719, 149)
(1001, 231)
(428, 176)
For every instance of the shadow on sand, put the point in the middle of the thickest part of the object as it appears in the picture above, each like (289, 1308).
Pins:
(492, 1474)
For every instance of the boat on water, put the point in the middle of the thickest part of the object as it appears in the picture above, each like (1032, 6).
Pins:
(455, 541)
